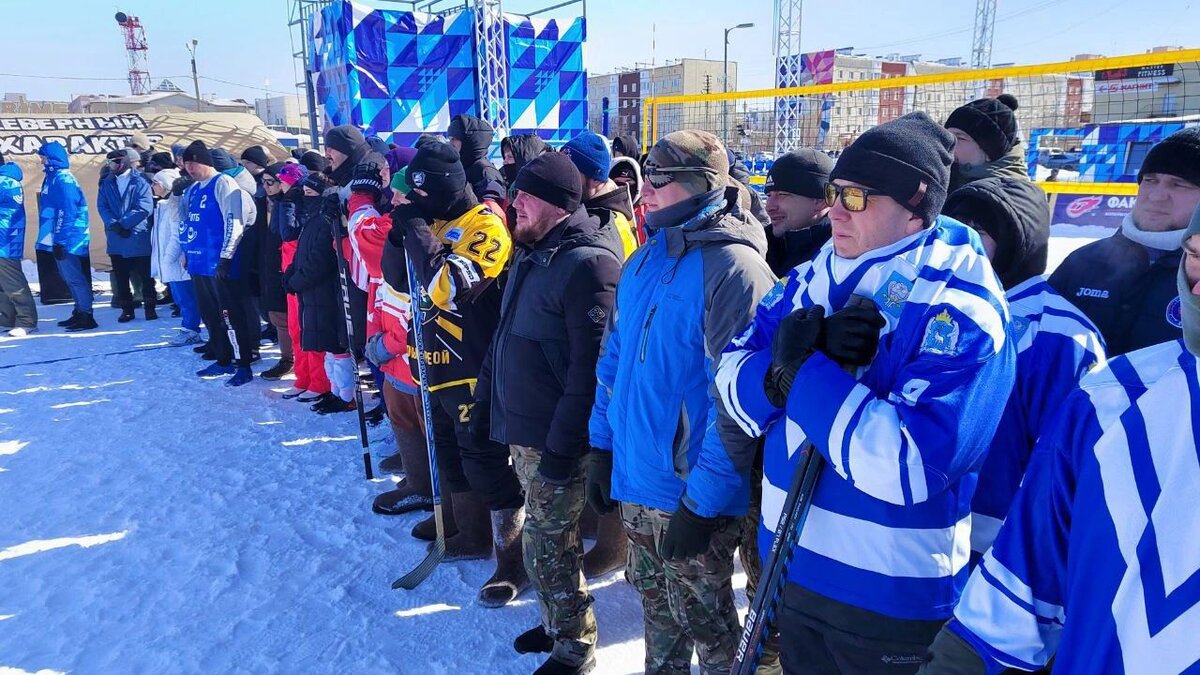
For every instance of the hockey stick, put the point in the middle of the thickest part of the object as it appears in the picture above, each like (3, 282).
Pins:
(761, 616)
(438, 550)
(344, 291)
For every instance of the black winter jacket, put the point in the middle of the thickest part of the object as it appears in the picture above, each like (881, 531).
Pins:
(1023, 238)
(794, 248)
(313, 277)
(271, 296)
(476, 138)
(539, 378)
(1133, 301)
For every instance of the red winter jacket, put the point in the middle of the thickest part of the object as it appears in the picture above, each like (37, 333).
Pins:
(389, 311)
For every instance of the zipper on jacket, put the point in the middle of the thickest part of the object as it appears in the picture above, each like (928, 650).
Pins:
(646, 331)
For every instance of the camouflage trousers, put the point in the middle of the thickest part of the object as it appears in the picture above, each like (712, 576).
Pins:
(768, 663)
(553, 550)
(686, 604)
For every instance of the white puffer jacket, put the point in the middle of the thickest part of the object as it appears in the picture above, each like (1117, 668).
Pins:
(166, 258)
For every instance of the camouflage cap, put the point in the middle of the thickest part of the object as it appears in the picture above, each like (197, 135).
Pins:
(696, 159)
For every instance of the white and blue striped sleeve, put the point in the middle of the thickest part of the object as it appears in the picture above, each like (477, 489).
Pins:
(914, 441)
(1011, 611)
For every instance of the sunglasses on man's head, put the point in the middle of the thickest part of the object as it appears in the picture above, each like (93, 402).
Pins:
(660, 176)
(269, 182)
(854, 198)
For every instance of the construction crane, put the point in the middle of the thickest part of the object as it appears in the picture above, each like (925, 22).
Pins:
(136, 51)
(985, 24)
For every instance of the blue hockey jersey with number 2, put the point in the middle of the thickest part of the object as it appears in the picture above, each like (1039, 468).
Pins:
(1098, 563)
(889, 527)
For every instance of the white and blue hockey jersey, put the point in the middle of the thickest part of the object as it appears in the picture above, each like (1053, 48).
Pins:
(889, 527)
(1098, 563)
(1056, 345)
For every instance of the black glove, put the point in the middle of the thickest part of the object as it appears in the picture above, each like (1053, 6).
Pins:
(122, 232)
(406, 216)
(797, 338)
(555, 469)
(852, 335)
(331, 208)
(222, 272)
(59, 251)
(687, 534)
(599, 482)
(368, 180)
(481, 423)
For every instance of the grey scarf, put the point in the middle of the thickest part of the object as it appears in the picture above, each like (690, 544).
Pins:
(1159, 241)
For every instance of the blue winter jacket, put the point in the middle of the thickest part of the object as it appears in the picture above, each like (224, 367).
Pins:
(12, 212)
(126, 213)
(62, 208)
(682, 296)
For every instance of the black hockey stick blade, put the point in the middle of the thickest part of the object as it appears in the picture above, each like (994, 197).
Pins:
(421, 572)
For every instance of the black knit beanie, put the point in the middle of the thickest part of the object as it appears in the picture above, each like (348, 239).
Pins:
(1177, 155)
(992, 122)
(346, 139)
(552, 178)
(801, 172)
(273, 169)
(222, 160)
(908, 159)
(436, 169)
(256, 154)
(198, 152)
(314, 161)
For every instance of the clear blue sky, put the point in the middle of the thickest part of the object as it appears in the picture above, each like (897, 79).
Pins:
(246, 41)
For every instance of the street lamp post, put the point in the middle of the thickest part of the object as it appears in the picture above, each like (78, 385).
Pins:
(725, 83)
(191, 47)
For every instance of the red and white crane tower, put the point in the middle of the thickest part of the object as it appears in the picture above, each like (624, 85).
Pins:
(136, 51)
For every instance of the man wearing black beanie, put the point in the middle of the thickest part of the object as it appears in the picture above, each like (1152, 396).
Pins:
(796, 206)
(458, 248)
(868, 585)
(987, 141)
(1126, 283)
(556, 301)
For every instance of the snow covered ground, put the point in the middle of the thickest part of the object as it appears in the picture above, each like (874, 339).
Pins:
(152, 522)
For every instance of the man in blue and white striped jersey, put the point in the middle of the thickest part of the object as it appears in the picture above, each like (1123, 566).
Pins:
(1056, 344)
(884, 552)
(1097, 565)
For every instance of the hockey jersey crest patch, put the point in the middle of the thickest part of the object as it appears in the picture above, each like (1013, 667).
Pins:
(1020, 326)
(772, 297)
(892, 295)
(1175, 313)
(941, 335)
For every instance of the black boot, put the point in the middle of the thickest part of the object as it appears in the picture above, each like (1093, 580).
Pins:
(510, 578)
(278, 371)
(426, 530)
(86, 322)
(534, 641)
(553, 666)
(611, 550)
(375, 415)
(126, 315)
(70, 320)
(151, 313)
(473, 541)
